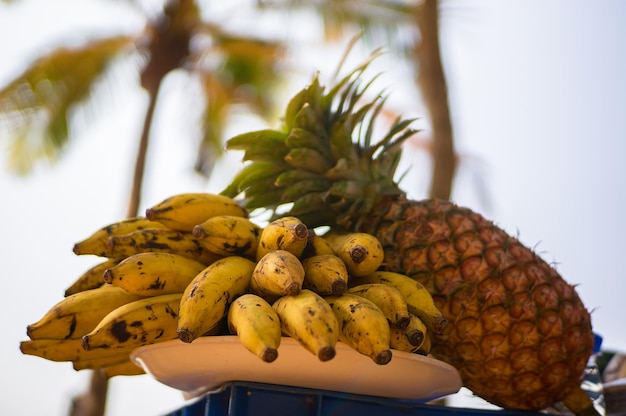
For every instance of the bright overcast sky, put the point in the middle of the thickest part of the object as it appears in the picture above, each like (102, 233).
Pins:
(538, 101)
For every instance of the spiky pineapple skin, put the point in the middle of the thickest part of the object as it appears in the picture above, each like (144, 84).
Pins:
(520, 335)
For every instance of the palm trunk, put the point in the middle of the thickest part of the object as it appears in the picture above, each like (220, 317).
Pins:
(432, 84)
(142, 151)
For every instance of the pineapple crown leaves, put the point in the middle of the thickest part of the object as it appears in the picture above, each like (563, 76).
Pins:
(324, 166)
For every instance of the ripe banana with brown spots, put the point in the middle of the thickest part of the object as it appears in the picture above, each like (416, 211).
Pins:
(362, 252)
(424, 349)
(286, 233)
(363, 326)
(276, 274)
(309, 319)
(125, 368)
(325, 274)
(160, 240)
(67, 350)
(256, 324)
(153, 273)
(184, 211)
(229, 235)
(90, 278)
(388, 299)
(96, 243)
(316, 245)
(205, 300)
(77, 314)
(96, 363)
(142, 322)
(411, 338)
(418, 299)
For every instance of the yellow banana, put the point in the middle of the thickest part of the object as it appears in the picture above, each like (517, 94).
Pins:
(66, 350)
(325, 274)
(256, 324)
(126, 368)
(309, 319)
(362, 252)
(159, 240)
(153, 273)
(363, 326)
(96, 243)
(206, 298)
(77, 314)
(388, 299)
(418, 299)
(410, 338)
(278, 273)
(424, 349)
(286, 233)
(316, 245)
(96, 363)
(229, 235)
(184, 211)
(144, 321)
(91, 278)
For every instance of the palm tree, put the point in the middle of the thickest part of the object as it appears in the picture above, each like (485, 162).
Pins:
(37, 105)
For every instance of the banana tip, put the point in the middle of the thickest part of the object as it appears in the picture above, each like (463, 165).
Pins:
(84, 342)
(107, 275)
(403, 321)
(269, 355)
(440, 325)
(383, 357)
(358, 254)
(185, 335)
(198, 232)
(326, 353)
(339, 287)
(415, 337)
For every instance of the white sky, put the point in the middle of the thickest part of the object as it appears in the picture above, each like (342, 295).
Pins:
(538, 101)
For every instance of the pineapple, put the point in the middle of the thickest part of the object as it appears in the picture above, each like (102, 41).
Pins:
(519, 335)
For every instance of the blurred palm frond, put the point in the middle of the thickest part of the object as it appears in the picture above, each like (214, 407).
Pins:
(36, 107)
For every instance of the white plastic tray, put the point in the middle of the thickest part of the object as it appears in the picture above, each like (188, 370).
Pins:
(209, 362)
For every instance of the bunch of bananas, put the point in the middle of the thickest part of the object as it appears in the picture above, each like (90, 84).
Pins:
(197, 265)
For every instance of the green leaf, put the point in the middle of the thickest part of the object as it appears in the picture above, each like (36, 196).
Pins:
(38, 103)
(292, 176)
(313, 121)
(308, 159)
(311, 94)
(299, 137)
(298, 190)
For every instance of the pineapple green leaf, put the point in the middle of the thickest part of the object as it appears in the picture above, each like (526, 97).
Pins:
(265, 200)
(308, 95)
(299, 137)
(308, 118)
(293, 176)
(251, 175)
(312, 210)
(298, 190)
(266, 137)
(351, 78)
(308, 159)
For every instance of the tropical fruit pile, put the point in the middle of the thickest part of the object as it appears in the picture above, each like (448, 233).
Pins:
(197, 265)
(517, 332)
